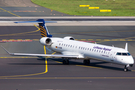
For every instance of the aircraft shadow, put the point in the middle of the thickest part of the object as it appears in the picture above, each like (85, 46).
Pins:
(59, 60)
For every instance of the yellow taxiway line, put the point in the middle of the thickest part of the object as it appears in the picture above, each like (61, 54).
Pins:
(9, 12)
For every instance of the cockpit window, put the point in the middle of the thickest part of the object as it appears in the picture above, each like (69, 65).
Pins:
(129, 54)
(118, 54)
(123, 54)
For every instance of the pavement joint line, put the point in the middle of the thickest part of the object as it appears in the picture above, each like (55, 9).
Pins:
(62, 78)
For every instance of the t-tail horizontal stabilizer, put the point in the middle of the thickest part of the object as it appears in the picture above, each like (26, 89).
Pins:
(43, 29)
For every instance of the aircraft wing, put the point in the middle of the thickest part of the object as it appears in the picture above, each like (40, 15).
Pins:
(44, 55)
(39, 55)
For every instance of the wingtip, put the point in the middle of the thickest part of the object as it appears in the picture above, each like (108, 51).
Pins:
(6, 50)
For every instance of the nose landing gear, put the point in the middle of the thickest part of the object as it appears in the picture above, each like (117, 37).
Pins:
(126, 68)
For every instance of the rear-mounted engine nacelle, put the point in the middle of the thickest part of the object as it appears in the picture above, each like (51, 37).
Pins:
(46, 41)
(69, 38)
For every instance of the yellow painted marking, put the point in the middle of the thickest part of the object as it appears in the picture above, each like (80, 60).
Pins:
(35, 39)
(98, 39)
(129, 40)
(83, 39)
(114, 40)
(90, 39)
(53, 53)
(46, 70)
(4, 39)
(122, 40)
(89, 66)
(58, 62)
(44, 50)
(93, 7)
(106, 40)
(105, 10)
(37, 27)
(84, 5)
(9, 12)
(18, 57)
(45, 60)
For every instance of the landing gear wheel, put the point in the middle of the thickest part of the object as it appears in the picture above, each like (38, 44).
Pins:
(86, 62)
(126, 68)
(65, 62)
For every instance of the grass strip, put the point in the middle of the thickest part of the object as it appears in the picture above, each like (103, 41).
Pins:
(71, 7)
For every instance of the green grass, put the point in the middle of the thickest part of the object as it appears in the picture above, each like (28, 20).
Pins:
(71, 7)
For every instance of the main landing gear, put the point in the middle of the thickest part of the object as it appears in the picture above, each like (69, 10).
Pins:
(66, 61)
(86, 62)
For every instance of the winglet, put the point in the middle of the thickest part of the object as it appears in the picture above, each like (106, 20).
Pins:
(126, 46)
(7, 51)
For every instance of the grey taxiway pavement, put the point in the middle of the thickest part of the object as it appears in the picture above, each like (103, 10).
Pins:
(34, 73)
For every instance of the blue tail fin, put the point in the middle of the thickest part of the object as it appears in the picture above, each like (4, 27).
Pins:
(42, 26)
(43, 29)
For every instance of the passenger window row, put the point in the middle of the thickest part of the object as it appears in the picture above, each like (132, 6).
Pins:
(84, 48)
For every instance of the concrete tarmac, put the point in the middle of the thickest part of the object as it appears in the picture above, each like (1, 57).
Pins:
(33, 73)
(24, 8)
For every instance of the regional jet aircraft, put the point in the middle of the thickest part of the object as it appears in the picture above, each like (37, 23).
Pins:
(70, 48)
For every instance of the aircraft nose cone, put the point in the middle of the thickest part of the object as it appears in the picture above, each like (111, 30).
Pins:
(127, 60)
(131, 60)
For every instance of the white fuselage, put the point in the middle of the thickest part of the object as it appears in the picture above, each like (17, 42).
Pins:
(91, 51)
